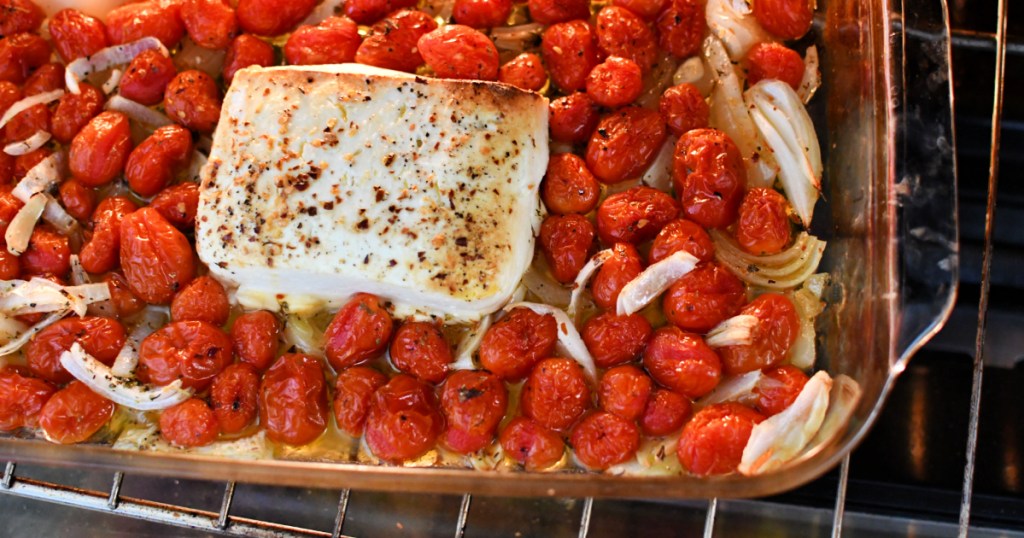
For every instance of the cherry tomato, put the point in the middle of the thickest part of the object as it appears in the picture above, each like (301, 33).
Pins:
(665, 412)
(570, 51)
(333, 41)
(21, 399)
(516, 342)
(126, 304)
(531, 444)
(27, 123)
(46, 78)
(10, 93)
(273, 17)
(602, 439)
(482, 13)
(10, 267)
(682, 362)
(48, 253)
(74, 414)
(624, 391)
(622, 33)
(7, 163)
(155, 257)
(615, 82)
(703, 298)
(74, 111)
(555, 394)
(153, 164)
(635, 215)
(648, 9)
(20, 54)
(178, 204)
(233, 396)
(189, 424)
(681, 27)
(244, 51)
(403, 422)
(572, 118)
(210, 23)
(763, 226)
(293, 400)
(684, 109)
(778, 389)
(371, 11)
(77, 199)
(457, 51)
(569, 186)
(359, 332)
(203, 299)
(617, 271)
(554, 11)
(256, 338)
(75, 34)
(565, 241)
(712, 441)
(709, 177)
(775, 332)
(614, 340)
(473, 403)
(102, 252)
(147, 77)
(353, 391)
(391, 43)
(193, 351)
(682, 234)
(193, 100)
(774, 61)
(419, 349)
(132, 22)
(786, 19)
(25, 163)
(9, 207)
(18, 16)
(625, 143)
(99, 151)
(524, 71)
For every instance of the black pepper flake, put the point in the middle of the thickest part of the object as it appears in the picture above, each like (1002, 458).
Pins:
(461, 241)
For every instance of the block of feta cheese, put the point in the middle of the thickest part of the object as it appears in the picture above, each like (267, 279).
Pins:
(326, 181)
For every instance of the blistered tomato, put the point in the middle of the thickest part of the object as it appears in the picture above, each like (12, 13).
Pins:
(704, 298)
(570, 52)
(293, 400)
(514, 344)
(391, 43)
(555, 394)
(603, 439)
(712, 441)
(155, 256)
(473, 403)
(665, 412)
(682, 362)
(256, 338)
(74, 414)
(353, 390)
(771, 337)
(624, 391)
(709, 177)
(189, 424)
(192, 351)
(359, 332)
(403, 422)
(778, 389)
(569, 186)
(102, 338)
(419, 349)
(682, 234)
(614, 340)
(531, 444)
(625, 143)
(233, 397)
(21, 399)
(565, 241)
(620, 269)
(457, 51)
(635, 215)
(203, 299)
(763, 226)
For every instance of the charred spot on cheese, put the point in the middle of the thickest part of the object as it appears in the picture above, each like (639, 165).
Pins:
(325, 181)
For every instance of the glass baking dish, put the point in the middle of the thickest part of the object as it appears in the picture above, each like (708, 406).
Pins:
(884, 117)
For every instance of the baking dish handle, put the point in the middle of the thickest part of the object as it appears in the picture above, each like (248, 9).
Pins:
(926, 175)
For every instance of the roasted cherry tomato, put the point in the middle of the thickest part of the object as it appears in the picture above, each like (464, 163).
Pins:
(100, 150)
(359, 332)
(682, 234)
(192, 351)
(516, 342)
(681, 27)
(603, 439)
(786, 19)
(102, 252)
(615, 82)
(332, 41)
(665, 412)
(565, 241)
(625, 143)
(18, 16)
(775, 332)
(569, 186)
(614, 340)
(555, 394)
(634, 216)
(21, 399)
(647, 9)
(774, 61)
(256, 337)
(473, 403)
(203, 299)
(619, 270)
(709, 177)
(189, 424)
(74, 111)
(155, 257)
(482, 13)
(403, 422)
(624, 391)
(125, 302)
(244, 51)
(75, 34)
(193, 100)
(178, 204)
(77, 199)
(682, 362)
(233, 397)
(572, 118)
(553, 11)
(10, 267)
(102, 338)
(570, 51)
(371, 11)
(147, 77)
(20, 54)
(703, 298)
(74, 414)
(46, 78)
(419, 349)
(210, 23)
(391, 43)
(778, 388)
(27, 123)
(48, 253)
(293, 400)
(153, 164)
(621, 33)
(712, 441)
(763, 226)
(457, 51)
(684, 109)
(524, 71)
(161, 20)
(531, 444)
(273, 17)
(353, 391)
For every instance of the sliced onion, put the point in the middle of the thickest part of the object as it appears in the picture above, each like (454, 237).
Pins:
(129, 393)
(657, 278)
(137, 111)
(781, 271)
(659, 173)
(300, 333)
(55, 214)
(517, 38)
(20, 340)
(40, 295)
(469, 345)
(812, 75)
(582, 278)
(28, 145)
(734, 23)
(192, 56)
(24, 104)
(808, 306)
(106, 58)
(781, 437)
(19, 230)
(694, 71)
(78, 274)
(41, 177)
(657, 81)
(734, 389)
(324, 10)
(540, 283)
(569, 341)
(735, 331)
(112, 81)
(10, 329)
(783, 121)
(842, 402)
(152, 318)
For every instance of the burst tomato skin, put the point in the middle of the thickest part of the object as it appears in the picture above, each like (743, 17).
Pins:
(555, 394)
(178, 204)
(125, 302)
(391, 43)
(777, 328)
(403, 422)
(18, 16)
(20, 54)
(615, 82)
(102, 252)
(244, 51)
(569, 186)
(682, 362)
(153, 164)
(786, 19)
(775, 61)
(21, 399)
(333, 41)
(712, 441)
(473, 403)
(665, 412)
(682, 234)
(681, 27)
(353, 390)
(620, 269)
(778, 389)
(604, 439)
(763, 225)
(420, 349)
(203, 299)
(703, 298)
(570, 52)
(131, 22)
(621, 33)
(635, 215)
(709, 177)
(624, 144)
(525, 72)
(273, 17)
(359, 332)
(555, 11)
(516, 342)
(79, 200)
(192, 351)
(234, 395)
(684, 109)
(48, 253)
(147, 77)
(624, 391)
(74, 111)
(615, 340)
(532, 445)
(293, 400)
(193, 100)
(155, 256)
(75, 34)
(100, 150)
(573, 118)
(565, 241)
(100, 337)
(189, 424)
(457, 51)
(74, 414)
(256, 338)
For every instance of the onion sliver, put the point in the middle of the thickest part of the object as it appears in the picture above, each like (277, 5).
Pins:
(28, 145)
(16, 343)
(137, 111)
(657, 81)
(694, 71)
(517, 38)
(732, 390)
(130, 394)
(324, 10)
(808, 306)
(10, 328)
(735, 331)
(107, 58)
(569, 339)
(659, 173)
(584, 276)
(41, 177)
(19, 231)
(544, 286)
(40, 295)
(657, 278)
(128, 358)
(842, 402)
(78, 274)
(55, 214)
(300, 332)
(24, 104)
(734, 23)
(469, 344)
(781, 271)
(812, 76)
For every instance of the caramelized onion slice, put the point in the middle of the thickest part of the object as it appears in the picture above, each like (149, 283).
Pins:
(106, 58)
(129, 393)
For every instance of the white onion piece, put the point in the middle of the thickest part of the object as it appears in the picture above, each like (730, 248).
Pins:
(734, 23)
(191, 55)
(55, 214)
(10, 328)
(41, 177)
(659, 173)
(195, 168)
(137, 111)
(657, 81)
(781, 437)
(517, 38)
(654, 280)
(28, 145)
(127, 359)
(808, 306)
(24, 104)
(735, 331)
(732, 389)
(78, 274)
(324, 10)
(842, 402)
(728, 113)
(469, 345)
(300, 333)
(693, 71)
(40, 295)
(106, 58)
(546, 288)
(781, 271)
(786, 127)
(582, 278)
(569, 341)
(812, 75)
(19, 230)
(112, 81)
(130, 394)
(20, 340)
